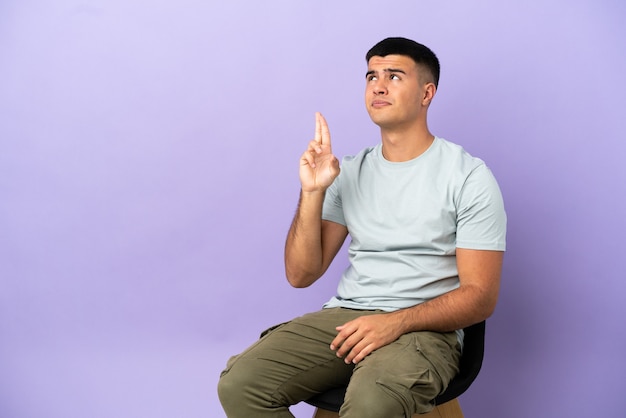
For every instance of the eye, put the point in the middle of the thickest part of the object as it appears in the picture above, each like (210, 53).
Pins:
(371, 77)
(394, 77)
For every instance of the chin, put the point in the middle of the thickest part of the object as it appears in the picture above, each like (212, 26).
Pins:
(377, 118)
(381, 121)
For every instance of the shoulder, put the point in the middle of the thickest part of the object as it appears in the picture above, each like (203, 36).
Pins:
(365, 154)
(353, 166)
(454, 156)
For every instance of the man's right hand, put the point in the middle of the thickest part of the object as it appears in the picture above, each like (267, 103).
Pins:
(312, 242)
(318, 166)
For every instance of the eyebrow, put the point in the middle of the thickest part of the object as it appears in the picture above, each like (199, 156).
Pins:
(386, 70)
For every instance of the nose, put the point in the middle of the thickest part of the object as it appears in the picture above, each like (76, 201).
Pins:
(380, 86)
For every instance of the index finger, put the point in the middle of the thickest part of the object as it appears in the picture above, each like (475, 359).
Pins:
(338, 341)
(322, 133)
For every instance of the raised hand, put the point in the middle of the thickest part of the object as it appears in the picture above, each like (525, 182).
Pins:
(318, 166)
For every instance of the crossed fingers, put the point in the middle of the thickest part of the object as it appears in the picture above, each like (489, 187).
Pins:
(321, 141)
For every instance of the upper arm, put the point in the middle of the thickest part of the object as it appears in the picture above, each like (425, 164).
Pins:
(333, 237)
(480, 270)
(481, 238)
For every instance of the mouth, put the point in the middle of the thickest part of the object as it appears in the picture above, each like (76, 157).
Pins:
(377, 104)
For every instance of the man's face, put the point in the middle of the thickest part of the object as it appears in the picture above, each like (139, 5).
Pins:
(394, 92)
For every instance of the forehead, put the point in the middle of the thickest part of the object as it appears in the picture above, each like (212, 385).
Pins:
(401, 62)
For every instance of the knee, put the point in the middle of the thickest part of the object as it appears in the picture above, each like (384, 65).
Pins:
(369, 408)
(371, 399)
(229, 389)
(244, 386)
(235, 386)
(380, 394)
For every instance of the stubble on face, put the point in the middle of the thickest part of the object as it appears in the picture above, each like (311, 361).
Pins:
(394, 90)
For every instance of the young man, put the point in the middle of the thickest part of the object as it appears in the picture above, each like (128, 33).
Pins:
(427, 227)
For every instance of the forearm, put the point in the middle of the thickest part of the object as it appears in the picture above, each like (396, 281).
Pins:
(303, 247)
(454, 310)
(473, 301)
(451, 311)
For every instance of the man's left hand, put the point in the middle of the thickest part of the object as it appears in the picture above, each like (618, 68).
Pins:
(358, 338)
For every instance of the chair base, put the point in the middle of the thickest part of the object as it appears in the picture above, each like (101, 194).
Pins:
(450, 409)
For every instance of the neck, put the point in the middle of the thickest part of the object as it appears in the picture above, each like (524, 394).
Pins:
(405, 146)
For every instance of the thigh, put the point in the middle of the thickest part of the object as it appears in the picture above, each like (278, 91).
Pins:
(413, 370)
(293, 361)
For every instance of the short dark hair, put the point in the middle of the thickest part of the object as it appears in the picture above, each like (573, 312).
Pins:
(419, 53)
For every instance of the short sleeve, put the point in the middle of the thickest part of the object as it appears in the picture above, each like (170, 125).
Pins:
(481, 217)
(333, 208)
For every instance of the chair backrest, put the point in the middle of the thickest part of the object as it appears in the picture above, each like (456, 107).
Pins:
(471, 362)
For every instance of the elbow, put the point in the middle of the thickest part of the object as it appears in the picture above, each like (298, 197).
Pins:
(483, 305)
(486, 313)
(488, 307)
(299, 279)
(298, 284)
(477, 314)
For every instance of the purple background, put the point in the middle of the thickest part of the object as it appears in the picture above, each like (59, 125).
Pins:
(148, 175)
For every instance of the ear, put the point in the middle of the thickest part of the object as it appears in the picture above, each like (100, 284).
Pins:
(429, 93)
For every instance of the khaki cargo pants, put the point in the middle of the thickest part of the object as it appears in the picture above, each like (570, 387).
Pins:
(292, 362)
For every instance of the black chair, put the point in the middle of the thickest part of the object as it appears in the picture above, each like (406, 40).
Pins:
(471, 362)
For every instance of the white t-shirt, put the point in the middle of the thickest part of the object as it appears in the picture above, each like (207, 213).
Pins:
(406, 220)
